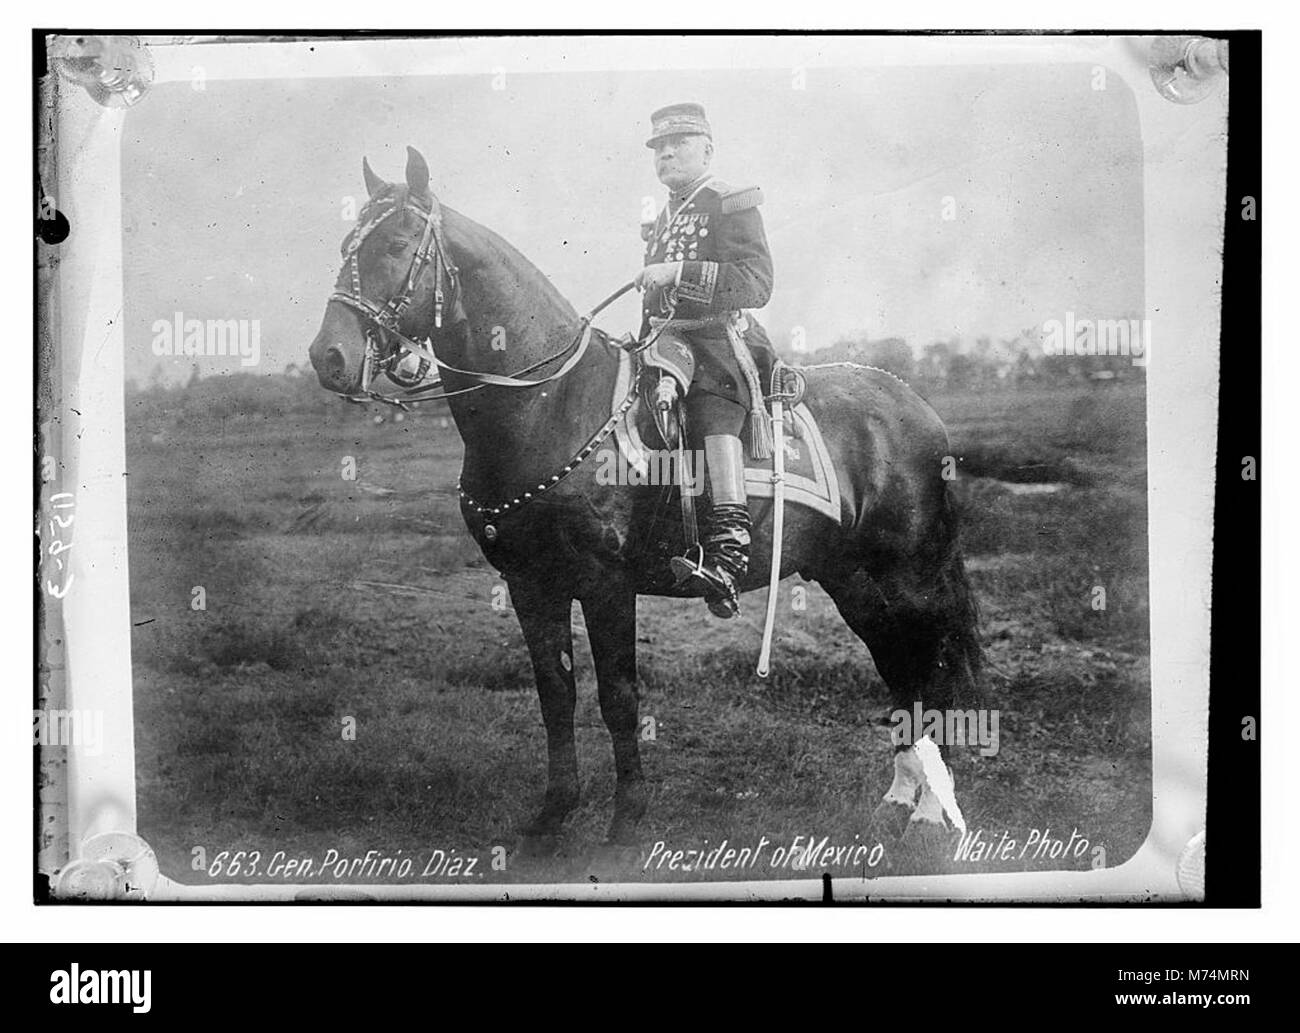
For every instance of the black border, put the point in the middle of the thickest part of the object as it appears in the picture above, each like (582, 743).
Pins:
(1232, 869)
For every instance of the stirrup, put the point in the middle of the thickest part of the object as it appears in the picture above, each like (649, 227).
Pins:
(720, 590)
(682, 567)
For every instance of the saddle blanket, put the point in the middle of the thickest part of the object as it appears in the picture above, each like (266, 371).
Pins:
(810, 478)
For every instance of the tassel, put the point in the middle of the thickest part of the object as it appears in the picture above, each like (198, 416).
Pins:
(760, 435)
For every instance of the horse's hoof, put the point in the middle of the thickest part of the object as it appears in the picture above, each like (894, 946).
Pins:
(539, 844)
(613, 862)
(630, 804)
(890, 820)
(544, 823)
(556, 806)
(544, 830)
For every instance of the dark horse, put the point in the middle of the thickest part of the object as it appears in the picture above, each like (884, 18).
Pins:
(416, 271)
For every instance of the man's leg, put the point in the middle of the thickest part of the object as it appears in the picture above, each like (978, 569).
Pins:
(726, 534)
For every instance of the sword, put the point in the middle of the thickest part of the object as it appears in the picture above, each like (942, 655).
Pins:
(778, 530)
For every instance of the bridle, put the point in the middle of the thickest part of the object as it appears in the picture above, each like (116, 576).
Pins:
(382, 325)
(383, 321)
(387, 348)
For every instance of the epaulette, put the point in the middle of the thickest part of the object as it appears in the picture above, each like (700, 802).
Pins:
(740, 199)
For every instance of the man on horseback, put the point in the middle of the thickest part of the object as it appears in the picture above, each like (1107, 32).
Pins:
(707, 260)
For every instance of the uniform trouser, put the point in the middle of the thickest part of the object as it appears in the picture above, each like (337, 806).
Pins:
(715, 417)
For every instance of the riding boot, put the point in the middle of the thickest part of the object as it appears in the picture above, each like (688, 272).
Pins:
(723, 556)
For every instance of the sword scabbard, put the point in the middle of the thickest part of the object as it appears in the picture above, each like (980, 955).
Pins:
(778, 533)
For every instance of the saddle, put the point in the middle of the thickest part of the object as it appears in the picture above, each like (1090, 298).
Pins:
(652, 369)
(665, 371)
(811, 481)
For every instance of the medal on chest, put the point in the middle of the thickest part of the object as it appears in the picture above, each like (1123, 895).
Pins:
(684, 239)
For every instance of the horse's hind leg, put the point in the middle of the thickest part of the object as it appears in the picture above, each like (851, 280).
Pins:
(545, 615)
(920, 628)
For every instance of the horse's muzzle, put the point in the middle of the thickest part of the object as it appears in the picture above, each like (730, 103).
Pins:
(332, 369)
(338, 350)
(336, 368)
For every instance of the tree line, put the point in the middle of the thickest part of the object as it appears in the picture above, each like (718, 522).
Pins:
(982, 364)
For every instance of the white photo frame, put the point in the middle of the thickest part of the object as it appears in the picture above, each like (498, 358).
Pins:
(1184, 165)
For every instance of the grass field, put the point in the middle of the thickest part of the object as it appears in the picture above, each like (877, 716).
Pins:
(332, 603)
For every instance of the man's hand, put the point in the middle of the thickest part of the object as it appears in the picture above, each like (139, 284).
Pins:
(659, 274)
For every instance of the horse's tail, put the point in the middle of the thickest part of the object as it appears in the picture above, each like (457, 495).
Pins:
(963, 606)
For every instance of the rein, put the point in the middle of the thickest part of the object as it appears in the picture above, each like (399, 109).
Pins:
(581, 340)
(383, 321)
(386, 318)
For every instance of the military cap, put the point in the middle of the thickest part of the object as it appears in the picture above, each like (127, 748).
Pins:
(678, 119)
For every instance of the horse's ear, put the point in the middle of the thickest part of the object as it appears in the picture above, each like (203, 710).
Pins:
(417, 173)
(373, 183)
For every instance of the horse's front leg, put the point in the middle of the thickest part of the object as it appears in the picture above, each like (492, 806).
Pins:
(611, 629)
(545, 615)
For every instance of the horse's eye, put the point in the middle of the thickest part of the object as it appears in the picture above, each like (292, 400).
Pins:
(397, 247)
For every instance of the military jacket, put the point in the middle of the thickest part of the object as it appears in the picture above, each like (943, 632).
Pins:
(726, 265)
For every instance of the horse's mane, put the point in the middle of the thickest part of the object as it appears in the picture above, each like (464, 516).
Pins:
(486, 244)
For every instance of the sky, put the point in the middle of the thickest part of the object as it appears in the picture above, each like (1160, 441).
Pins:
(236, 196)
